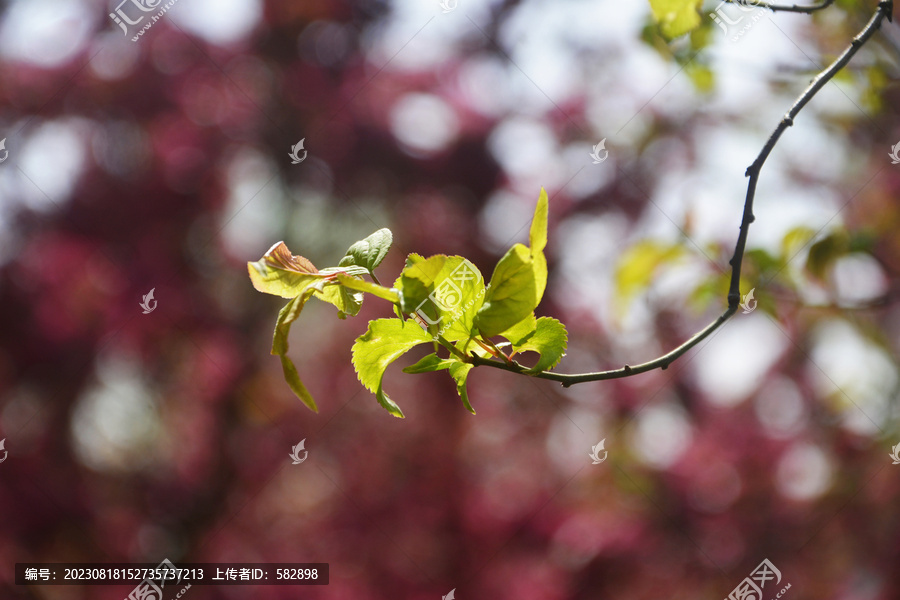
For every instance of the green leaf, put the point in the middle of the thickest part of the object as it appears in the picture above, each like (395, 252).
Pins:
(455, 293)
(354, 283)
(369, 253)
(286, 318)
(638, 265)
(512, 295)
(281, 273)
(521, 330)
(430, 363)
(676, 17)
(382, 344)
(549, 340)
(537, 235)
(293, 380)
(416, 280)
(347, 301)
(824, 253)
(537, 238)
(459, 371)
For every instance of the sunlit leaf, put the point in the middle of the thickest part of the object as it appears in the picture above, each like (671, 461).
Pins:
(521, 330)
(281, 273)
(382, 344)
(286, 317)
(459, 371)
(455, 292)
(512, 295)
(549, 339)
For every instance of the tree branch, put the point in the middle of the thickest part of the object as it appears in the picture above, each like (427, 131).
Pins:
(794, 8)
(884, 10)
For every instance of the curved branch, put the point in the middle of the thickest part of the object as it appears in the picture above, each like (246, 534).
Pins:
(794, 8)
(884, 10)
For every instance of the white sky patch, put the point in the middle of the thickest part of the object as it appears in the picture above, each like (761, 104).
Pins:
(46, 33)
(663, 433)
(115, 423)
(804, 472)
(252, 216)
(423, 123)
(780, 408)
(219, 22)
(737, 358)
(856, 374)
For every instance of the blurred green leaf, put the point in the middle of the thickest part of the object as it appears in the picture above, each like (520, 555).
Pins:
(826, 251)
(638, 265)
(676, 17)
(378, 347)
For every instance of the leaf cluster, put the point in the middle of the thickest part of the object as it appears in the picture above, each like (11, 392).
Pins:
(441, 299)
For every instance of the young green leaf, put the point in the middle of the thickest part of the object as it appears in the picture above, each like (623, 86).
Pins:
(429, 364)
(537, 238)
(549, 340)
(369, 253)
(521, 330)
(416, 280)
(382, 344)
(454, 295)
(286, 318)
(459, 371)
(512, 295)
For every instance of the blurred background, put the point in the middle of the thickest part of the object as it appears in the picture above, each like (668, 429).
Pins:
(163, 164)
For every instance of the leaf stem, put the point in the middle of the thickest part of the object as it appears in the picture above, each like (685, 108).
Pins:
(794, 8)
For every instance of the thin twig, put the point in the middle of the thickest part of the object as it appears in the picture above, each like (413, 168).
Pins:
(884, 11)
(794, 8)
